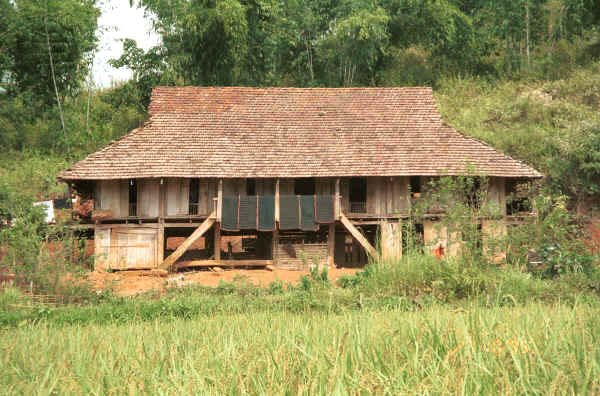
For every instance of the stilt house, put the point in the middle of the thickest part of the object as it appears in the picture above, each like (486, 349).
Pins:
(275, 176)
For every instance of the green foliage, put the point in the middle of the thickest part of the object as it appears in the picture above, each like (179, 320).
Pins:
(69, 26)
(149, 70)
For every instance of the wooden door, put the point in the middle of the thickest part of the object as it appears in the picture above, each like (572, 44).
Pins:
(134, 248)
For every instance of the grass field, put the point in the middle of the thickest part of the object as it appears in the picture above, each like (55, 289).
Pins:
(532, 348)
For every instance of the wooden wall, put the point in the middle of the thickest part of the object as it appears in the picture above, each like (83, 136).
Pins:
(148, 198)
(386, 196)
(113, 195)
(178, 193)
(127, 247)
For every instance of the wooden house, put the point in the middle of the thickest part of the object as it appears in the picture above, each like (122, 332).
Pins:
(207, 154)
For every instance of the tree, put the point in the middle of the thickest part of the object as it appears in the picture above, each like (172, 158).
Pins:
(149, 70)
(442, 28)
(205, 41)
(61, 30)
(6, 13)
(355, 45)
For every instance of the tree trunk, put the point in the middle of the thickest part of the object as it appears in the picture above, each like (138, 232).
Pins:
(62, 120)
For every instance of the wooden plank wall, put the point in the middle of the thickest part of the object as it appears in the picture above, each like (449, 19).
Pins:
(102, 248)
(148, 197)
(387, 196)
(208, 191)
(178, 193)
(108, 196)
(126, 247)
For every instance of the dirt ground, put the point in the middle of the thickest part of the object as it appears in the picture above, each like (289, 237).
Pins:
(129, 283)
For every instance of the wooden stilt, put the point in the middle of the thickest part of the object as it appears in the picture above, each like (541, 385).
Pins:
(331, 245)
(217, 240)
(275, 243)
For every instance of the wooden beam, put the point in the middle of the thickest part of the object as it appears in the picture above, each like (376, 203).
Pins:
(220, 201)
(359, 236)
(337, 203)
(217, 241)
(274, 245)
(169, 261)
(223, 263)
(277, 201)
(160, 243)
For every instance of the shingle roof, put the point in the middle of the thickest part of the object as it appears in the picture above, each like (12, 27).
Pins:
(293, 132)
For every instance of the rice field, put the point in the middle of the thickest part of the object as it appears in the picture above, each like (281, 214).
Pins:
(534, 348)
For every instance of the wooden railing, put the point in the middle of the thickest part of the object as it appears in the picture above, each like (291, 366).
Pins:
(358, 207)
(132, 210)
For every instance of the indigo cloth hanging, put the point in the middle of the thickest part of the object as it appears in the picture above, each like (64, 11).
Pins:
(229, 213)
(248, 212)
(289, 216)
(266, 213)
(307, 205)
(325, 209)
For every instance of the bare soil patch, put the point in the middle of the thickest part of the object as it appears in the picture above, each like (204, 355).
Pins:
(129, 283)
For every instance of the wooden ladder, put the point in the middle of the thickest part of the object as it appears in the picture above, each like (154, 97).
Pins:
(359, 237)
(201, 230)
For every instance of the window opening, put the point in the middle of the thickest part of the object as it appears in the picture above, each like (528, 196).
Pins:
(133, 197)
(358, 195)
(250, 186)
(194, 196)
(304, 186)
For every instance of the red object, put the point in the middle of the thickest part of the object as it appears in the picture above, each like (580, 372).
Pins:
(439, 252)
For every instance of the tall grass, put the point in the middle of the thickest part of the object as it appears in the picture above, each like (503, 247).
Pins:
(529, 349)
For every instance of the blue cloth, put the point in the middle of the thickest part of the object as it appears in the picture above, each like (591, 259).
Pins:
(307, 210)
(229, 213)
(289, 217)
(266, 213)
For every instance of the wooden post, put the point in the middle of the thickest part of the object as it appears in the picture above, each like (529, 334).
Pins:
(275, 240)
(331, 245)
(337, 203)
(220, 201)
(275, 245)
(277, 201)
(217, 243)
(355, 251)
(162, 194)
(160, 241)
